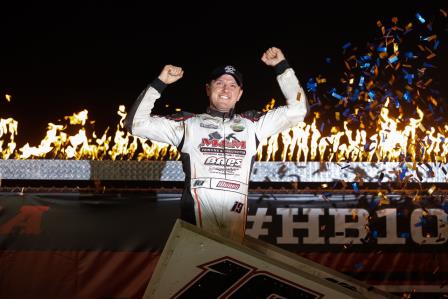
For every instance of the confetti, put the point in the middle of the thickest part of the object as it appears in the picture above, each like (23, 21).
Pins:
(337, 115)
(374, 203)
(311, 85)
(347, 45)
(393, 59)
(336, 95)
(361, 81)
(404, 169)
(431, 190)
(443, 13)
(420, 18)
(420, 223)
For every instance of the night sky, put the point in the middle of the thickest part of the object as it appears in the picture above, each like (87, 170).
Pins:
(60, 59)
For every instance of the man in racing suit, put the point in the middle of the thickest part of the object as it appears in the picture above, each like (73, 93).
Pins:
(218, 147)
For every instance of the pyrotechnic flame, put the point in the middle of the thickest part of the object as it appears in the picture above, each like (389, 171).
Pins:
(303, 142)
(8, 129)
(389, 143)
(57, 143)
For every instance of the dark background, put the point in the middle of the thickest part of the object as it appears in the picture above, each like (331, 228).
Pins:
(58, 59)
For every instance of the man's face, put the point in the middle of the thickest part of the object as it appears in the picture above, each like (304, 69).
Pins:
(223, 93)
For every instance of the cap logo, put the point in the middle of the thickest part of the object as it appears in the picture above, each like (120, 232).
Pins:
(230, 69)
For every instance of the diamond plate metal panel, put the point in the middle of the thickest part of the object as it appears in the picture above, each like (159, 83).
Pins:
(262, 171)
(349, 172)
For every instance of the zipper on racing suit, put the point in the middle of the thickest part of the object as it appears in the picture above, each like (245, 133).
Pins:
(224, 148)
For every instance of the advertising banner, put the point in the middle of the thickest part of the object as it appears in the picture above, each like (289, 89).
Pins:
(107, 245)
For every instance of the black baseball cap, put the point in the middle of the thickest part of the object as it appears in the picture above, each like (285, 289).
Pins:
(229, 70)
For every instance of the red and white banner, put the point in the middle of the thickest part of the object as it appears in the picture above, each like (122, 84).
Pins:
(70, 245)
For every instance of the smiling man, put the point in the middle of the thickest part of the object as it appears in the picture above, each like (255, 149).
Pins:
(225, 88)
(218, 147)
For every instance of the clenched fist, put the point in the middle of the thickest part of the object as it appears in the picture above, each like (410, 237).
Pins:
(171, 74)
(272, 56)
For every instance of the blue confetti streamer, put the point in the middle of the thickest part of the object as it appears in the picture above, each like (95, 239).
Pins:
(409, 78)
(393, 59)
(346, 45)
(407, 96)
(436, 45)
(311, 85)
(335, 94)
(355, 187)
(375, 234)
(409, 55)
(381, 49)
(420, 18)
(361, 81)
(374, 203)
(366, 58)
(428, 65)
(365, 65)
(421, 222)
(404, 169)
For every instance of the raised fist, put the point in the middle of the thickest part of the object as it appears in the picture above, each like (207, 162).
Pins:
(272, 56)
(171, 74)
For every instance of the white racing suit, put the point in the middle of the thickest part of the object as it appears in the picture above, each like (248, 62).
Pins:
(217, 151)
